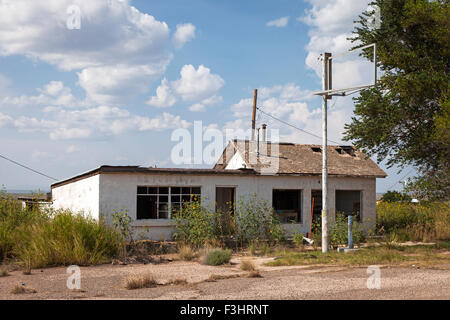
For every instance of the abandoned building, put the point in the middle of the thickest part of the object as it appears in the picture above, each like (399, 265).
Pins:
(285, 174)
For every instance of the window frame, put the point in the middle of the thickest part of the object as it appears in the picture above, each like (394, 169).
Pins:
(169, 195)
(300, 203)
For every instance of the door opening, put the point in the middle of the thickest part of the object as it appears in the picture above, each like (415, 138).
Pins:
(225, 199)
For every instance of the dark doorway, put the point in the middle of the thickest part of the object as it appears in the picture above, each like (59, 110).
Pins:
(316, 205)
(225, 199)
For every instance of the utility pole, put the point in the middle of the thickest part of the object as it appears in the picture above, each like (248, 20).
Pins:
(327, 93)
(255, 97)
(326, 68)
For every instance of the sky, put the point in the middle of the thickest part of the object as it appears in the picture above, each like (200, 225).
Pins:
(106, 82)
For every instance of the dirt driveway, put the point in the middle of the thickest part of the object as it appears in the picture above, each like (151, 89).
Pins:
(106, 282)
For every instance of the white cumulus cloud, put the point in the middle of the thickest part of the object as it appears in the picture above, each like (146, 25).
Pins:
(184, 33)
(279, 23)
(118, 50)
(194, 85)
(164, 96)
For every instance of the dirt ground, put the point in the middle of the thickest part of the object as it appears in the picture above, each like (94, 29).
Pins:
(297, 282)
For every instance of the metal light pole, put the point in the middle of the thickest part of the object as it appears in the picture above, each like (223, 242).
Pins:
(325, 86)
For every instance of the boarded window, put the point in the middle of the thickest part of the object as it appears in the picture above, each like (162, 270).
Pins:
(287, 204)
(159, 202)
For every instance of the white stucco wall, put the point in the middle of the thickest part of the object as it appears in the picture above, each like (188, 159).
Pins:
(81, 195)
(118, 193)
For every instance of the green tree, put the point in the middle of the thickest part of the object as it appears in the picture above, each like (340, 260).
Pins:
(405, 118)
(395, 196)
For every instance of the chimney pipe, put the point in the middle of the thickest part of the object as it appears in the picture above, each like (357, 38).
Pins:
(257, 143)
(264, 126)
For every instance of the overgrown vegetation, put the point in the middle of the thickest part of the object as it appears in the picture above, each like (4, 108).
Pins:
(217, 257)
(252, 221)
(140, 281)
(37, 238)
(21, 289)
(416, 222)
(395, 255)
(187, 253)
(338, 231)
(247, 265)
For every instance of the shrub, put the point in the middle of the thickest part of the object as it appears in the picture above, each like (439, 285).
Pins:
(140, 281)
(297, 238)
(338, 232)
(247, 265)
(255, 220)
(252, 221)
(252, 247)
(217, 257)
(186, 253)
(195, 224)
(266, 249)
(122, 223)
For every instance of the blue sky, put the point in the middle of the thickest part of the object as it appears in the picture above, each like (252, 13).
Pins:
(112, 89)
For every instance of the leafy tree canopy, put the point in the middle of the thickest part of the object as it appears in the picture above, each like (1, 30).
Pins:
(405, 118)
(395, 196)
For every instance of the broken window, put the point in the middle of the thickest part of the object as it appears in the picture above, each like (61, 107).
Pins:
(160, 202)
(348, 202)
(348, 150)
(287, 203)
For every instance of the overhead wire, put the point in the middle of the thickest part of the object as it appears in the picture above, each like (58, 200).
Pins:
(28, 168)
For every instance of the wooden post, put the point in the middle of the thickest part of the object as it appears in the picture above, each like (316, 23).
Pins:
(255, 97)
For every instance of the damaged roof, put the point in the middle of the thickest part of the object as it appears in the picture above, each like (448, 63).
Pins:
(300, 159)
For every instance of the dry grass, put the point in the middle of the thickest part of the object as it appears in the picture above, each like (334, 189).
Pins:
(186, 253)
(254, 274)
(392, 254)
(139, 281)
(21, 289)
(215, 277)
(178, 282)
(247, 265)
(4, 273)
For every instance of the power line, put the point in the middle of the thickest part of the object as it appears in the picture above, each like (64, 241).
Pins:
(28, 168)
(291, 125)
